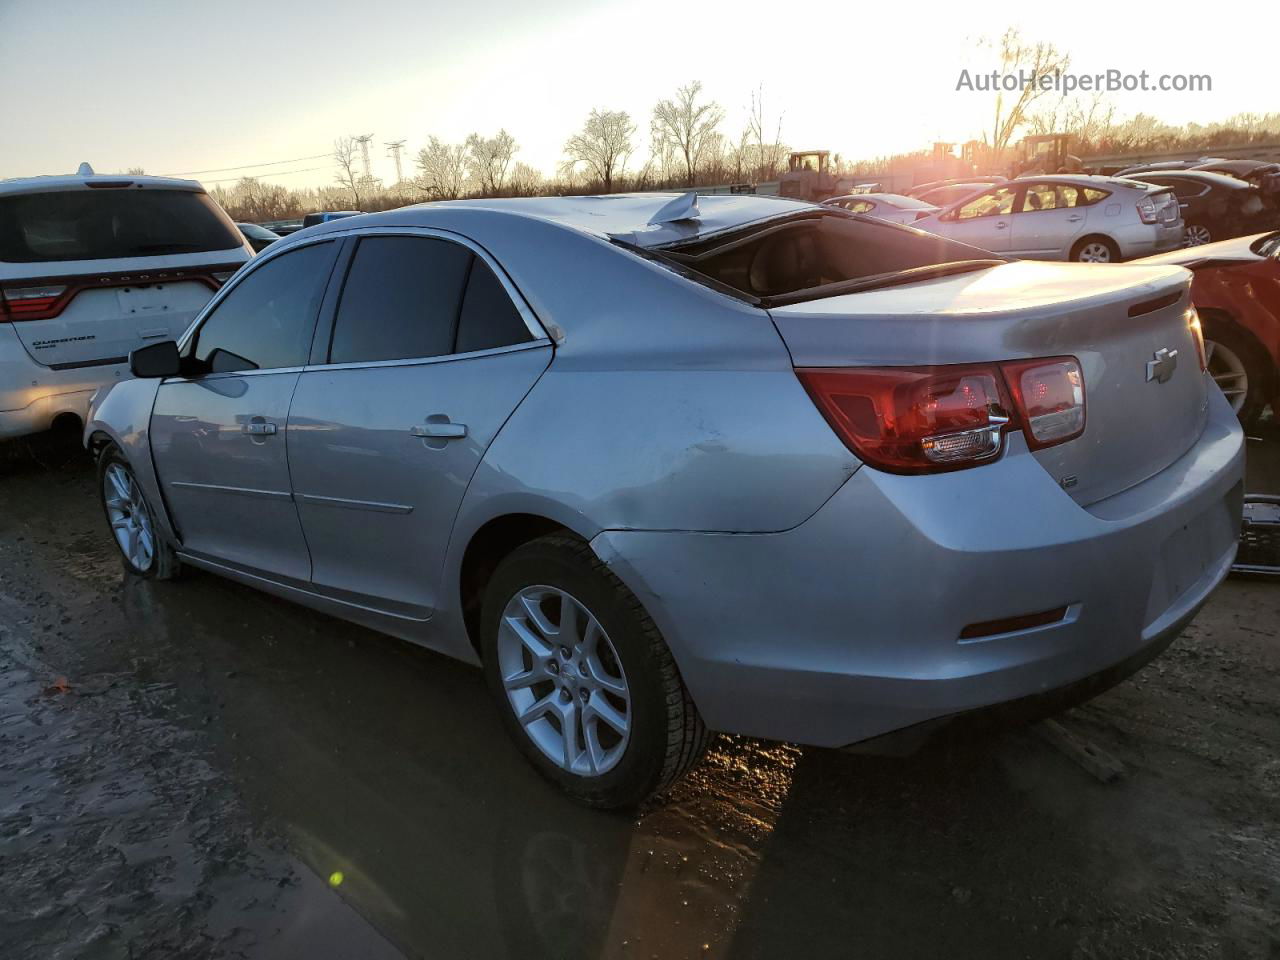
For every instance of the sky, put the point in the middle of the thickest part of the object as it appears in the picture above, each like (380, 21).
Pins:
(177, 89)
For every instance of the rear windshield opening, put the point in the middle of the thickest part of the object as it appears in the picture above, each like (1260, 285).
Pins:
(786, 260)
(106, 225)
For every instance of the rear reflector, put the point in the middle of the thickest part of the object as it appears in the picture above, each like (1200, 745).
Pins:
(989, 628)
(931, 419)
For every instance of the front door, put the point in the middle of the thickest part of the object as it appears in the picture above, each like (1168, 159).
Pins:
(219, 438)
(983, 221)
(429, 356)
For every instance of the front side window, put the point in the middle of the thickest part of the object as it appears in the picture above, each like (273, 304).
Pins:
(266, 321)
(994, 203)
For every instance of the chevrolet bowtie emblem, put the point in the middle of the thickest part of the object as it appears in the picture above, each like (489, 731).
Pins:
(1160, 368)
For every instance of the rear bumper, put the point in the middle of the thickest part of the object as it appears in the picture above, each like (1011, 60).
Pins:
(1147, 240)
(49, 394)
(847, 627)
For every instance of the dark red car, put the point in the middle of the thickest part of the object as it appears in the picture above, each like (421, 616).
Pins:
(1236, 291)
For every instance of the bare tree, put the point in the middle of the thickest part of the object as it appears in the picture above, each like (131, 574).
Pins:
(1021, 58)
(524, 180)
(442, 169)
(769, 153)
(1084, 118)
(685, 125)
(346, 154)
(489, 158)
(603, 145)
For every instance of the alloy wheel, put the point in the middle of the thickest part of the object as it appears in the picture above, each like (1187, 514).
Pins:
(1229, 373)
(1095, 252)
(1195, 235)
(129, 517)
(564, 680)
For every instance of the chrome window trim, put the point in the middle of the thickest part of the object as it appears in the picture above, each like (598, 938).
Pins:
(419, 361)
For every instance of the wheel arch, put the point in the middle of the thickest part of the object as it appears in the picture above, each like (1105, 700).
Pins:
(487, 546)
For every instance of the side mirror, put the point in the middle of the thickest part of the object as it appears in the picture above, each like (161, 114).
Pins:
(156, 360)
(224, 361)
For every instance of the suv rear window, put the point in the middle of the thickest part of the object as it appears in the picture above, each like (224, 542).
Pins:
(111, 224)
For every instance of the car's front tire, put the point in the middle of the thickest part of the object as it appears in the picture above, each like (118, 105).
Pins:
(583, 679)
(132, 520)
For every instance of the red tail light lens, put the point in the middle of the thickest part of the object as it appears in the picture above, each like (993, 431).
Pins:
(1049, 395)
(913, 419)
(1147, 210)
(33, 303)
(932, 419)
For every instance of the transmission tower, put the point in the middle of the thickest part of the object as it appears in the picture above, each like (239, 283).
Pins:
(394, 148)
(364, 152)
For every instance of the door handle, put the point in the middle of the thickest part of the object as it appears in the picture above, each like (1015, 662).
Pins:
(1001, 225)
(257, 427)
(439, 431)
(1076, 219)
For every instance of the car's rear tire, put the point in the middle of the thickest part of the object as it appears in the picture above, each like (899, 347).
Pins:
(1095, 249)
(132, 519)
(1239, 367)
(611, 681)
(1196, 234)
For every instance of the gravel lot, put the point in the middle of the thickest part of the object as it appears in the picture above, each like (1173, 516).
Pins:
(194, 769)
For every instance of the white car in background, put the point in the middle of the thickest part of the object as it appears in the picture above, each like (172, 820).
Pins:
(92, 266)
(1065, 217)
(884, 206)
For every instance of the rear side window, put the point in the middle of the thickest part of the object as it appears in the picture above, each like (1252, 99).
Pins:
(109, 224)
(1091, 195)
(489, 319)
(400, 300)
(267, 320)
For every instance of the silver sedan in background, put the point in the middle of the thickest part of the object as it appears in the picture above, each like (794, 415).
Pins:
(1082, 218)
(883, 206)
(672, 465)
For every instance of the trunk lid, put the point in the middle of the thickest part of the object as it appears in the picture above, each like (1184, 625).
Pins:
(1115, 320)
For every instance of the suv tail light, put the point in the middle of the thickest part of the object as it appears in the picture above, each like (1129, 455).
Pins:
(34, 303)
(933, 419)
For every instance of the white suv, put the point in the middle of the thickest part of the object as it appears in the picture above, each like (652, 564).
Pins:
(91, 267)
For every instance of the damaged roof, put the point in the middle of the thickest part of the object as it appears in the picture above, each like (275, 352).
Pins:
(645, 219)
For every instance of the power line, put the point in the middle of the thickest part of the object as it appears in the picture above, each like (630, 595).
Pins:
(282, 173)
(245, 166)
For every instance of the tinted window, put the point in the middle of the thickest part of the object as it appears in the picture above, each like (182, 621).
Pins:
(489, 318)
(1049, 196)
(1089, 196)
(106, 224)
(400, 300)
(267, 319)
(1185, 188)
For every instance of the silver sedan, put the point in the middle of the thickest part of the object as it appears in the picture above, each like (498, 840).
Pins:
(883, 206)
(1068, 217)
(671, 465)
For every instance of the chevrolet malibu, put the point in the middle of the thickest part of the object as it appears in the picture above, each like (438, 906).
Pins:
(670, 465)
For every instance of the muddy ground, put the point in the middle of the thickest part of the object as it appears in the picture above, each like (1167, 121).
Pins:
(193, 769)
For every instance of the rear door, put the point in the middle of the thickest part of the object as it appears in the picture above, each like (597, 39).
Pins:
(90, 273)
(1047, 221)
(431, 351)
(219, 440)
(984, 221)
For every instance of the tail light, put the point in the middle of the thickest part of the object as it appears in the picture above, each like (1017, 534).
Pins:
(933, 419)
(1147, 210)
(34, 303)
(1197, 334)
(1049, 395)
